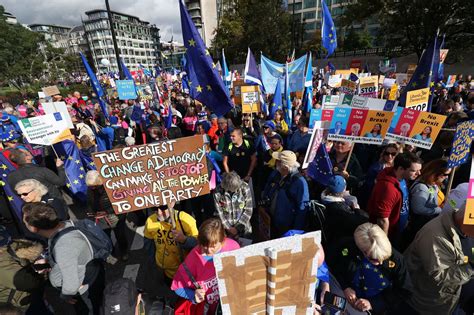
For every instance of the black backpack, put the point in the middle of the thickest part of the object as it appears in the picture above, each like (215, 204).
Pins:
(120, 297)
(120, 134)
(99, 242)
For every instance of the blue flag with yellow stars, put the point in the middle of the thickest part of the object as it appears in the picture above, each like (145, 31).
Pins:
(328, 30)
(320, 169)
(126, 72)
(76, 166)
(96, 86)
(277, 102)
(424, 73)
(15, 201)
(204, 80)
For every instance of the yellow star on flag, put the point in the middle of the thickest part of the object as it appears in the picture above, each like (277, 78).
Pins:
(68, 185)
(75, 181)
(81, 168)
(81, 176)
(199, 88)
(207, 53)
(2, 183)
(332, 41)
(209, 88)
(62, 157)
(190, 83)
(10, 198)
(192, 42)
(330, 35)
(414, 84)
(213, 65)
(422, 76)
(70, 158)
(381, 276)
(91, 163)
(77, 161)
(4, 166)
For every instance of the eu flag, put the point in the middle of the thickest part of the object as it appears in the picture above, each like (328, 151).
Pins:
(288, 107)
(328, 30)
(204, 80)
(225, 72)
(15, 202)
(251, 72)
(308, 83)
(320, 169)
(146, 71)
(126, 72)
(424, 73)
(169, 118)
(277, 102)
(75, 165)
(96, 86)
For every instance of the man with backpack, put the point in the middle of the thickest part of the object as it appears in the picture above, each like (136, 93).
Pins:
(287, 194)
(76, 254)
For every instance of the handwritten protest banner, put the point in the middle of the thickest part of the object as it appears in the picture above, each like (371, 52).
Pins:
(415, 127)
(51, 90)
(418, 99)
(348, 86)
(335, 80)
(250, 99)
(46, 129)
(461, 143)
(369, 86)
(126, 90)
(154, 174)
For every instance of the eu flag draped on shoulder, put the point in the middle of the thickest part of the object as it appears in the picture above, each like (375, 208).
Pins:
(96, 86)
(205, 84)
(76, 166)
(328, 30)
(424, 73)
(15, 202)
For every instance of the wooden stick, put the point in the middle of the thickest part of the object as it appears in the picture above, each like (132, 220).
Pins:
(450, 183)
(349, 157)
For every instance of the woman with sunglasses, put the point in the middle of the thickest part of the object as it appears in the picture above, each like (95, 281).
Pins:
(426, 196)
(387, 156)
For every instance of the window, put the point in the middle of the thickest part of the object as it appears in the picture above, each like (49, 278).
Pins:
(310, 26)
(297, 6)
(309, 15)
(309, 4)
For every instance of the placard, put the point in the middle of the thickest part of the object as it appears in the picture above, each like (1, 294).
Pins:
(54, 107)
(335, 80)
(418, 99)
(126, 89)
(330, 101)
(319, 116)
(451, 80)
(415, 127)
(461, 144)
(369, 89)
(250, 99)
(154, 174)
(392, 95)
(51, 90)
(469, 213)
(236, 86)
(46, 129)
(348, 86)
(401, 79)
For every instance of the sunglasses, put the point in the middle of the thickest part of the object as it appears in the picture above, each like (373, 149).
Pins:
(25, 194)
(390, 153)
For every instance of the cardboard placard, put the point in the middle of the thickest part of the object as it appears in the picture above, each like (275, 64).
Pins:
(418, 99)
(126, 89)
(51, 90)
(348, 87)
(469, 214)
(335, 80)
(392, 95)
(250, 98)
(154, 174)
(54, 107)
(236, 89)
(417, 128)
(461, 144)
(46, 129)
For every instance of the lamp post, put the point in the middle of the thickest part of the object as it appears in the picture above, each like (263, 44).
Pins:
(114, 40)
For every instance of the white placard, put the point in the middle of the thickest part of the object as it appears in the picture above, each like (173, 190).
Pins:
(61, 107)
(44, 129)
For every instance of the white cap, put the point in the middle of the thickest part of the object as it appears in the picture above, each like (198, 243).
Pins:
(456, 198)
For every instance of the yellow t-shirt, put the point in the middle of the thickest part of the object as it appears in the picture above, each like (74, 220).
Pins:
(167, 255)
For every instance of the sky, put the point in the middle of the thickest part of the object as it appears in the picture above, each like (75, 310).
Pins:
(163, 13)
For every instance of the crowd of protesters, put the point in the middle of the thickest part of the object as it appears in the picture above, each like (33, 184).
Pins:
(394, 242)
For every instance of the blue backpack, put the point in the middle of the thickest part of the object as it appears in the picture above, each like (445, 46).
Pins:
(99, 242)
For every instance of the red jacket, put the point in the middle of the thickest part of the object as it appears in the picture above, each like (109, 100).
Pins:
(386, 199)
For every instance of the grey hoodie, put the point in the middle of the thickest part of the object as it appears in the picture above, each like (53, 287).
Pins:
(71, 254)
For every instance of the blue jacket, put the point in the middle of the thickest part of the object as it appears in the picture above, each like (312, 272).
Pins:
(299, 142)
(291, 199)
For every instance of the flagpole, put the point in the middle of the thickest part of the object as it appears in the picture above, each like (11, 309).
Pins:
(114, 39)
(451, 179)
(349, 157)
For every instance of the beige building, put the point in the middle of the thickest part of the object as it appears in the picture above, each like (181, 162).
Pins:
(205, 15)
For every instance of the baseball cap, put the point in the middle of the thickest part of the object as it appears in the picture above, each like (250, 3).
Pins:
(269, 124)
(336, 184)
(213, 116)
(286, 157)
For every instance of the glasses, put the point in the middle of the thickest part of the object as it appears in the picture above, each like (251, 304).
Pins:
(445, 175)
(390, 153)
(26, 194)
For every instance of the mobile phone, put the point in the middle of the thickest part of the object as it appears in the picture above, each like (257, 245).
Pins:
(40, 267)
(335, 301)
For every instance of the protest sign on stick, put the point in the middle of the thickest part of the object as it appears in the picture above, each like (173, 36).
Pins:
(461, 146)
(418, 99)
(46, 129)
(154, 174)
(126, 90)
(54, 107)
(469, 214)
(250, 99)
(51, 90)
(419, 129)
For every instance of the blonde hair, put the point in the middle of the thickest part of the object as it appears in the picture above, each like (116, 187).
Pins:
(93, 178)
(34, 185)
(211, 232)
(373, 241)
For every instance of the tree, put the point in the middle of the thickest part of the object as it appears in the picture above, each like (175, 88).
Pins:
(262, 25)
(412, 24)
(357, 40)
(26, 57)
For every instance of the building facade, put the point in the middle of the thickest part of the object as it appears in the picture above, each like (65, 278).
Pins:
(205, 15)
(57, 35)
(138, 41)
(309, 13)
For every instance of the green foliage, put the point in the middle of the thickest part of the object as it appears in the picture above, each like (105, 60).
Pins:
(357, 40)
(412, 24)
(262, 25)
(27, 58)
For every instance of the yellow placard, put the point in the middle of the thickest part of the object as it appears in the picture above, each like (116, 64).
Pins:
(381, 78)
(344, 71)
(372, 80)
(250, 98)
(418, 99)
(64, 135)
(393, 92)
